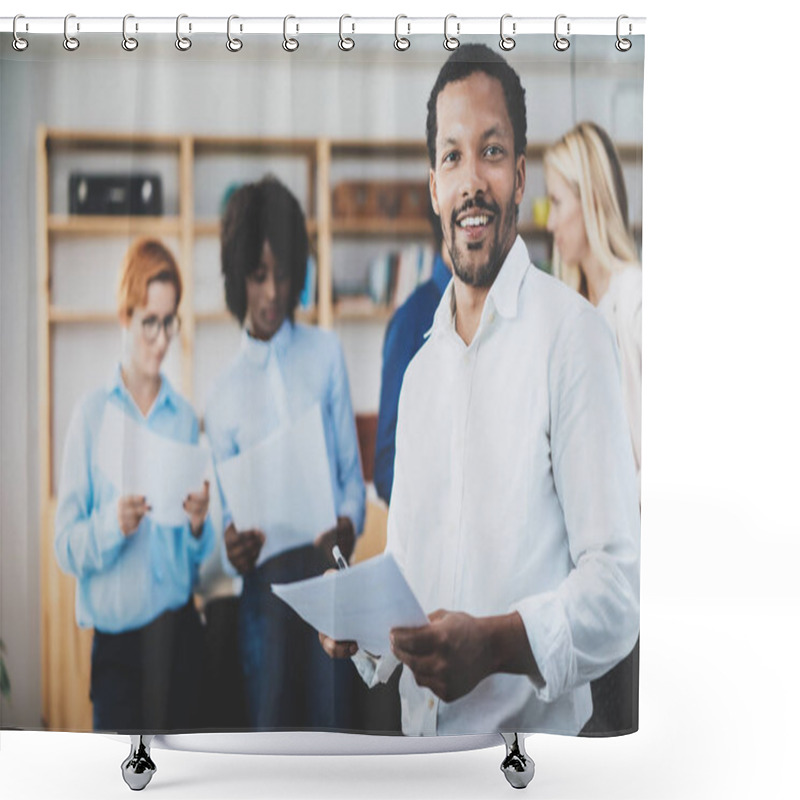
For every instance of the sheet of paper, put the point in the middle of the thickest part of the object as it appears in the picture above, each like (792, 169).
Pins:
(282, 486)
(359, 604)
(138, 461)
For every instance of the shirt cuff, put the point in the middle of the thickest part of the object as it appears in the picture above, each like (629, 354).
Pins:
(200, 546)
(109, 534)
(374, 670)
(550, 638)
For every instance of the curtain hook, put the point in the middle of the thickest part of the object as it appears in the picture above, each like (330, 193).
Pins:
(623, 45)
(183, 43)
(128, 42)
(289, 44)
(233, 44)
(507, 42)
(451, 42)
(345, 42)
(18, 43)
(561, 43)
(400, 42)
(71, 43)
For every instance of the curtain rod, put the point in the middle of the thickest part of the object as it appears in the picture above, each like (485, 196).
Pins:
(404, 26)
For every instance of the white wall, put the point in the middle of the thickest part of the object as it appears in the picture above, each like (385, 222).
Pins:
(372, 92)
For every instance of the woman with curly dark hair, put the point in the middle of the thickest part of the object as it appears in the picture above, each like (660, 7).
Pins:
(282, 370)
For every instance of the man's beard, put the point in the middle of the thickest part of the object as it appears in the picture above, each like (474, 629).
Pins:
(483, 275)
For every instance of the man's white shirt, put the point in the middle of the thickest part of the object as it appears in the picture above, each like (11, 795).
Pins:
(515, 490)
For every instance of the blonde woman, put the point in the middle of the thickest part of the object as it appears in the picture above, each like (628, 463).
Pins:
(596, 255)
(594, 250)
(134, 575)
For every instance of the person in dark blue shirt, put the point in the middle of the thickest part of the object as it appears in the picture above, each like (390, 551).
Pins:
(405, 334)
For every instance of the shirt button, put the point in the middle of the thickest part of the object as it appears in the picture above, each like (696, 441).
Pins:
(430, 703)
(491, 317)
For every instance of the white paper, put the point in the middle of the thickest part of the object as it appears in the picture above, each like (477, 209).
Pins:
(282, 486)
(360, 604)
(138, 461)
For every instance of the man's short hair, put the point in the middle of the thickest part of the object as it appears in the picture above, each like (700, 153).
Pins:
(255, 213)
(466, 60)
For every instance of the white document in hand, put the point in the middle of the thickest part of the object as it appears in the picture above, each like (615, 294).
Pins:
(360, 604)
(282, 486)
(138, 461)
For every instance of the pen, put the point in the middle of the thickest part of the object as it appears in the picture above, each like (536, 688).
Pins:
(338, 557)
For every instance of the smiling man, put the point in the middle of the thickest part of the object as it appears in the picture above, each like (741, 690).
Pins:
(514, 511)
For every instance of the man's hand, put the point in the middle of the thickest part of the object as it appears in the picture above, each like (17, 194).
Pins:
(130, 511)
(450, 656)
(243, 548)
(196, 506)
(333, 648)
(453, 654)
(343, 534)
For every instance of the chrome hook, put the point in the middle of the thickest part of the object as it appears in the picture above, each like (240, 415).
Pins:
(233, 44)
(623, 45)
(289, 44)
(400, 42)
(71, 43)
(345, 42)
(561, 43)
(128, 42)
(507, 42)
(451, 42)
(18, 43)
(183, 43)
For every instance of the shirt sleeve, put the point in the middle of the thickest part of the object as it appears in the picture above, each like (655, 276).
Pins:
(88, 538)
(398, 350)
(590, 622)
(348, 461)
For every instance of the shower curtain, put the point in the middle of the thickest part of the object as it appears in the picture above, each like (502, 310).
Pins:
(321, 384)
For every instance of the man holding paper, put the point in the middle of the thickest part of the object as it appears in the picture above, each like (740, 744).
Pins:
(282, 430)
(514, 513)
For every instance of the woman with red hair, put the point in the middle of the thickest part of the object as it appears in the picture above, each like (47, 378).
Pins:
(134, 575)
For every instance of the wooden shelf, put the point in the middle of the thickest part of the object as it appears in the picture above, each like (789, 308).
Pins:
(110, 140)
(73, 315)
(213, 227)
(383, 228)
(75, 224)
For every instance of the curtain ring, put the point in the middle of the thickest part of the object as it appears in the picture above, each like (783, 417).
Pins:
(623, 45)
(561, 43)
(71, 43)
(128, 42)
(345, 42)
(507, 42)
(451, 42)
(400, 42)
(234, 45)
(18, 43)
(289, 44)
(183, 43)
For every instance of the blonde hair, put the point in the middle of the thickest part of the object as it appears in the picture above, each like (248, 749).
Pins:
(587, 160)
(147, 260)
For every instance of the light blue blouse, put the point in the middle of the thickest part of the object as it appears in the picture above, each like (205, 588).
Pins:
(242, 409)
(123, 582)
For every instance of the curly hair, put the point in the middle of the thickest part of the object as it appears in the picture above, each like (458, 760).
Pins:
(255, 213)
(466, 60)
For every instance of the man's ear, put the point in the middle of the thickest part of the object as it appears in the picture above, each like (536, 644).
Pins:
(519, 177)
(432, 187)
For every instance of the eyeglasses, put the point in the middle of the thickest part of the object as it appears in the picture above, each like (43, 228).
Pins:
(151, 327)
